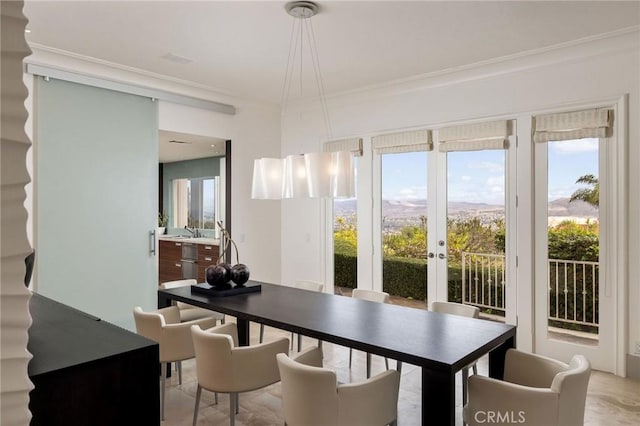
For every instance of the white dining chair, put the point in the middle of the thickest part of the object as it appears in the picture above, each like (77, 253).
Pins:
(538, 390)
(173, 337)
(378, 297)
(190, 312)
(311, 396)
(463, 310)
(304, 285)
(224, 367)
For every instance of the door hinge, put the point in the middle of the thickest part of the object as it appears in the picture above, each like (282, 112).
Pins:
(516, 261)
(516, 201)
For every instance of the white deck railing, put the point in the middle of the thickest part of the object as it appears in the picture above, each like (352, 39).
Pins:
(572, 287)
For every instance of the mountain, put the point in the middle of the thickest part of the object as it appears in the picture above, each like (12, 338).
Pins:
(415, 208)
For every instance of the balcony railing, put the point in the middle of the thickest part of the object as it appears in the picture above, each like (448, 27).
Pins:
(572, 296)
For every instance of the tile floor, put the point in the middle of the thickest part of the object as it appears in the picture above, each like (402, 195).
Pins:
(611, 400)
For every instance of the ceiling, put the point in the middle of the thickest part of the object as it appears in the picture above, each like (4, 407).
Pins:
(175, 146)
(240, 48)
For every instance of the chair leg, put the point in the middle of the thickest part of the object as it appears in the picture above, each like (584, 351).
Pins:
(475, 369)
(292, 339)
(261, 332)
(237, 402)
(465, 375)
(195, 411)
(399, 367)
(386, 362)
(232, 409)
(222, 320)
(179, 366)
(299, 343)
(163, 378)
(368, 365)
(350, 355)
(215, 397)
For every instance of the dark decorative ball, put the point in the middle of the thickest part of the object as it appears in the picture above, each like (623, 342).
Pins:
(217, 275)
(240, 273)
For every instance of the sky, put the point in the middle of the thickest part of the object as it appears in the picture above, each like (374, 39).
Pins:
(478, 176)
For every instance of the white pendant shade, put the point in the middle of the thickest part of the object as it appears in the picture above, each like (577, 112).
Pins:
(295, 177)
(343, 175)
(267, 179)
(312, 175)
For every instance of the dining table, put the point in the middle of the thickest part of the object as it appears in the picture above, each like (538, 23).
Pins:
(440, 344)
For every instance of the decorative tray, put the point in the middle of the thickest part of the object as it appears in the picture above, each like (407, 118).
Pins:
(205, 288)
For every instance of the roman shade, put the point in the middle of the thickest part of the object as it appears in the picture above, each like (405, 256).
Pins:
(353, 145)
(412, 141)
(474, 137)
(591, 123)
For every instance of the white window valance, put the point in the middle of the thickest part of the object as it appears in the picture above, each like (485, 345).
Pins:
(592, 123)
(353, 145)
(412, 141)
(474, 137)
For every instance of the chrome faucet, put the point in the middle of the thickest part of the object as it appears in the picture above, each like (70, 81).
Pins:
(194, 232)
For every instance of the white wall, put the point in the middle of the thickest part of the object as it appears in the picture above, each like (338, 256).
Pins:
(599, 70)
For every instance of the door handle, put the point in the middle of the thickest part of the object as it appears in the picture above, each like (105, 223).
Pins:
(152, 242)
(441, 256)
(431, 255)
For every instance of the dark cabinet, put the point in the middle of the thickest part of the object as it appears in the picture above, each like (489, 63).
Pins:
(207, 256)
(89, 372)
(170, 261)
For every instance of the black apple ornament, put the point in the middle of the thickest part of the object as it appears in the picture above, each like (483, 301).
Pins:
(240, 273)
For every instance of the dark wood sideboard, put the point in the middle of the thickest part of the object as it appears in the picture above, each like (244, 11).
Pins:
(89, 372)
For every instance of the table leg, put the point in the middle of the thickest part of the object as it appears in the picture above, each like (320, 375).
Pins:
(243, 331)
(163, 301)
(497, 356)
(438, 397)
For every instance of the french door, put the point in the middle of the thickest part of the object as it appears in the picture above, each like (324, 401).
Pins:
(574, 245)
(449, 209)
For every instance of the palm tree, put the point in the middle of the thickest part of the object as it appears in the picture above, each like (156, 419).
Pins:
(588, 195)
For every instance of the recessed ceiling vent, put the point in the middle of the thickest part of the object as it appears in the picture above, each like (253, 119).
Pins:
(176, 58)
(184, 142)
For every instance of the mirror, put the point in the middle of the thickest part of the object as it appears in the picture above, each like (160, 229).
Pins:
(196, 202)
(194, 179)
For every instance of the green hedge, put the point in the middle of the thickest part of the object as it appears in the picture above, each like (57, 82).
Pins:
(403, 277)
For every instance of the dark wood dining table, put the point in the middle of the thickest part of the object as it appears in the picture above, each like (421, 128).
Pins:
(440, 344)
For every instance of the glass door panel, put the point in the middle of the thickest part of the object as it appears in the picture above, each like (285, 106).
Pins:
(476, 229)
(573, 236)
(345, 242)
(404, 226)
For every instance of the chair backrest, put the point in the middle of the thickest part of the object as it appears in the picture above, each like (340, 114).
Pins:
(175, 345)
(309, 394)
(213, 352)
(455, 309)
(309, 285)
(370, 295)
(180, 283)
(572, 385)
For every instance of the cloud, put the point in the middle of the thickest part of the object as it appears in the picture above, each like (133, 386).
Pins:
(487, 165)
(496, 181)
(465, 178)
(574, 146)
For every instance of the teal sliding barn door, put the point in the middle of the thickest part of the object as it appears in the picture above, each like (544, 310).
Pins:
(96, 199)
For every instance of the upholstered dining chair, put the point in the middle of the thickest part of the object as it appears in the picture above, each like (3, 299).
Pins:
(462, 310)
(190, 312)
(224, 367)
(536, 391)
(378, 297)
(173, 337)
(311, 396)
(304, 285)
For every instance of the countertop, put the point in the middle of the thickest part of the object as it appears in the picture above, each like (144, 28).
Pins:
(185, 239)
